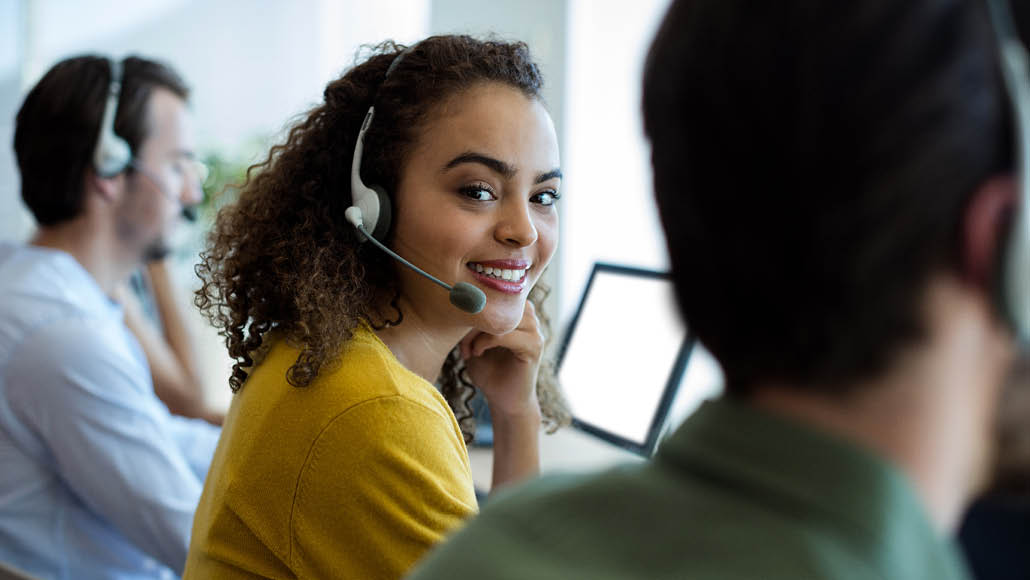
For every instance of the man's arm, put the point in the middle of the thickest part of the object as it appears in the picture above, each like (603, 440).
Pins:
(173, 366)
(197, 441)
(83, 388)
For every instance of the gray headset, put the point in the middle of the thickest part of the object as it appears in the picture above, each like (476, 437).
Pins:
(112, 154)
(370, 200)
(1014, 278)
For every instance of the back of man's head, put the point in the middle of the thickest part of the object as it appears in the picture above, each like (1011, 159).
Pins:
(59, 122)
(813, 159)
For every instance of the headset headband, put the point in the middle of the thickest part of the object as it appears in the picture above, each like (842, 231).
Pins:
(111, 154)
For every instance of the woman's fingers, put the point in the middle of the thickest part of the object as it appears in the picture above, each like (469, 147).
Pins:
(525, 342)
(466, 344)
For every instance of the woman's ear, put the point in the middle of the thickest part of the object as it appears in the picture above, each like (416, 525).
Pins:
(986, 229)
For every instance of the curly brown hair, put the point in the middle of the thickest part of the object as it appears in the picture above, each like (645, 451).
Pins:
(283, 257)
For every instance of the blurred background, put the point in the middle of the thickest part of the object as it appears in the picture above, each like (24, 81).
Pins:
(255, 65)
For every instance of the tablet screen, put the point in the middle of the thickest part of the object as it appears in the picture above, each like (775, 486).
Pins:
(624, 356)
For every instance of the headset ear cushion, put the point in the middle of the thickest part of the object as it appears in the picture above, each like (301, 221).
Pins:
(1001, 272)
(113, 156)
(385, 213)
(1013, 275)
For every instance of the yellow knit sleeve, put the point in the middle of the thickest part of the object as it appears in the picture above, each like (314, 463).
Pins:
(383, 483)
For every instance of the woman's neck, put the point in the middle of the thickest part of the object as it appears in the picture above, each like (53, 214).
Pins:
(420, 343)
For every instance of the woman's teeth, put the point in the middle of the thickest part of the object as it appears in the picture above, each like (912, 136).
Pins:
(499, 273)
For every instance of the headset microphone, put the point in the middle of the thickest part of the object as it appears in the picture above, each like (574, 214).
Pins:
(463, 295)
(372, 209)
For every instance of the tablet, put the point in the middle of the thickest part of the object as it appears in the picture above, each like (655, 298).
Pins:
(624, 355)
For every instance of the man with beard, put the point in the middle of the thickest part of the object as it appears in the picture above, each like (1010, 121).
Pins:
(98, 478)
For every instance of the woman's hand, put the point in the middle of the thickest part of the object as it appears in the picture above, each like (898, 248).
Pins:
(505, 367)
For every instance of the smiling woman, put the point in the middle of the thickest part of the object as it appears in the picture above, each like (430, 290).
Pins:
(343, 454)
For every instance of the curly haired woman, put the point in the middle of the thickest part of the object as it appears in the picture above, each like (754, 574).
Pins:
(343, 454)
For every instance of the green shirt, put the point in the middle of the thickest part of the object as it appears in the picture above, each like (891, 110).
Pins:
(735, 493)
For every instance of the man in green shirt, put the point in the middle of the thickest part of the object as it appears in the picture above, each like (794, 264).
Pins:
(835, 180)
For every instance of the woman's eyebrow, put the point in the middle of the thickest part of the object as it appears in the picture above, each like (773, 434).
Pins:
(506, 170)
(549, 175)
(502, 168)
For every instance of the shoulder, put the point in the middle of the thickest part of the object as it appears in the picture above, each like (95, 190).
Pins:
(81, 342)
(351, 412)
(383, 444)
(53, 310)
(372, 460)
(40, 281)
(72, 358)
(542, 507)
(521, 527)
(385, 425)
(641, 521)
(367, 371)
(80, 338)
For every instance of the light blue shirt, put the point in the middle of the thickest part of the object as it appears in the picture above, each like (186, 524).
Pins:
(97, 478)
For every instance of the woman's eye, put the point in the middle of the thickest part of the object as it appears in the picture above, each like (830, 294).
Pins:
(478, 192)
(546, 198)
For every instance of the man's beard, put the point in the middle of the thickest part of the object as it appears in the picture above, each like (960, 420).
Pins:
(158, 250)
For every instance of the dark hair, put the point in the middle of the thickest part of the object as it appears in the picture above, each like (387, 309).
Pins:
(284, 258)
(58, 124)
(812, 161)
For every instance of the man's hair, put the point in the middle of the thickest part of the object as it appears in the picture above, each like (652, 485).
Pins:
(812, 163)
(58, 124)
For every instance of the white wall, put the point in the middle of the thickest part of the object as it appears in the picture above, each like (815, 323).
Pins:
(14, 220)
(610, 214)
(539, 23)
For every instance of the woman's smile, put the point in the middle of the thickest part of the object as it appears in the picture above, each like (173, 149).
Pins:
(508, 276)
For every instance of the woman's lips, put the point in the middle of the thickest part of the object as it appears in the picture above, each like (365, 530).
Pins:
(507, 276)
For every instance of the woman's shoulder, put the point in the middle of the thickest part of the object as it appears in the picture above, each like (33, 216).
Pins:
(366, 370)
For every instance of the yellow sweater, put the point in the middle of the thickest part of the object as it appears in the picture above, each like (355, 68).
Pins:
(354, 476)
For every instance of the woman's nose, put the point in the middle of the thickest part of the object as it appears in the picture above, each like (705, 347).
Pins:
(516, 226)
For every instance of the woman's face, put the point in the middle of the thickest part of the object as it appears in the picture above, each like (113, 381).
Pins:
(476, 203)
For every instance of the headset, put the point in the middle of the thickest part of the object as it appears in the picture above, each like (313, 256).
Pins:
(112, 154)
(1014, 274)
(371, 210)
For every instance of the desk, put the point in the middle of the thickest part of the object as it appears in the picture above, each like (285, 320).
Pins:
(568, 450)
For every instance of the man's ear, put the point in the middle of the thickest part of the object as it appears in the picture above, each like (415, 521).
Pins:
(986, 230)
(109, 189)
